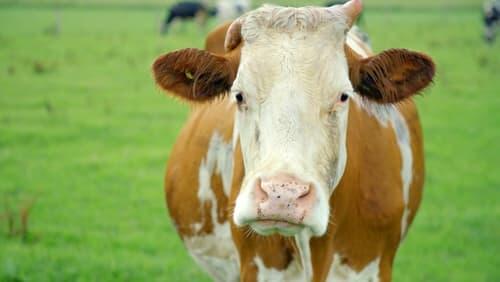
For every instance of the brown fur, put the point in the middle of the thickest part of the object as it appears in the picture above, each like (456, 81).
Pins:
(215, 41)
(195, 75)
(390, 76)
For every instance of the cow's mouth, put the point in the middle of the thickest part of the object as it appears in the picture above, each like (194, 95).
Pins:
(270, 226)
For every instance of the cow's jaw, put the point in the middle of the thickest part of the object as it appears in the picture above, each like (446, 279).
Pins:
(292, 125)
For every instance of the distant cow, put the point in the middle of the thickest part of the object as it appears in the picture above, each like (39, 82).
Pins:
(491, 16)
(231, 9)
(187, 10)
(302, 158)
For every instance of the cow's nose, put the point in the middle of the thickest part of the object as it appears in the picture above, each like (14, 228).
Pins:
(283, 198)
(283, 188)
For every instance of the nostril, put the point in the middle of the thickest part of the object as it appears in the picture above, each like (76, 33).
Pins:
(260, 194)
(304, 191)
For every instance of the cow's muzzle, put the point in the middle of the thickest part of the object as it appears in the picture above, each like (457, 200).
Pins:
(282, 202)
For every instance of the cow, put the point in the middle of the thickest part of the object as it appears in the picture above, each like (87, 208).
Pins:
(491, 19)
(231, 9)
(302, 157)
(187, 10)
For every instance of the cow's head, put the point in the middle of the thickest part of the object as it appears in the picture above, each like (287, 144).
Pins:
(292, 76)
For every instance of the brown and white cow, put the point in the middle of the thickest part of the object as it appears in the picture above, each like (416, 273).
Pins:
(302, 158)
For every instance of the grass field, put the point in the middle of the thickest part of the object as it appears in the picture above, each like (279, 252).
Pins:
(161, 3)
(85, 133)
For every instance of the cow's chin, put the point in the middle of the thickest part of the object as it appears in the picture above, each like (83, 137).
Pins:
(315, 226)
(269, 227)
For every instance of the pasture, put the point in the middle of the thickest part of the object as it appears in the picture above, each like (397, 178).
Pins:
(85, 134)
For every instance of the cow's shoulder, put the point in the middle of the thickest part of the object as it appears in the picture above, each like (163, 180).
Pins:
(382, 146)
(197, 167)
(197, 184)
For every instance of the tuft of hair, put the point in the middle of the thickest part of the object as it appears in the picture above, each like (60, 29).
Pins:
(290, 19)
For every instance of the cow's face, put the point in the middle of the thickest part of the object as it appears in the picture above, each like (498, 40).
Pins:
(292, 77)
(292, 90)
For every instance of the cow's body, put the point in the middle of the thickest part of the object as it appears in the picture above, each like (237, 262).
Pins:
(491, 18)
(372, 207)
(307, 163)
(186, 10)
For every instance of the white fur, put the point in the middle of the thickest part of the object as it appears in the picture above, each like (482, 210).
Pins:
(403, 138)
(293, 273)
(292, 103)
(343, 273)
(357, 45)
(215, 252)
(219, 160)
(302, 240)
(342, 153)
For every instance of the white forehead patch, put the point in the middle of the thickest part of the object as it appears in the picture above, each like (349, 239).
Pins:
(288, 20)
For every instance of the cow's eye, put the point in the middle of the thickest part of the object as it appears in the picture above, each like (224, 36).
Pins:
(344, 97)
(239, 97)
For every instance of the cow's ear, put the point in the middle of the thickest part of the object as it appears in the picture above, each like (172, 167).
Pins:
(194, 75)
(392, 75)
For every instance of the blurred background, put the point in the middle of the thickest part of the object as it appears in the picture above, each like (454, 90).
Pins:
(85, 134)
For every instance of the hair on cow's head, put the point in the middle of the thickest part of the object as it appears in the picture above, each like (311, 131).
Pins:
(194, 75)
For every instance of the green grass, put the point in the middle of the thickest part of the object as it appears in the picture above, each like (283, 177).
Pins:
(368, 3)
(85, 132)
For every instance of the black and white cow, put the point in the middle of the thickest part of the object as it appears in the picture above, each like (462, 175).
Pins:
(187, 10)
(491, 17)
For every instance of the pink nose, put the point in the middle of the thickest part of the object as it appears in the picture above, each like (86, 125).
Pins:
(283, 198)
